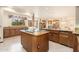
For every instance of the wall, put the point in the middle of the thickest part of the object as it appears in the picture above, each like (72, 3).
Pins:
(46, 11)
(77, 16)
(6, 20)
(1, 26)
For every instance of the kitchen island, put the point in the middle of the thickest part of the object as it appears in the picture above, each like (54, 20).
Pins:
(35, 41)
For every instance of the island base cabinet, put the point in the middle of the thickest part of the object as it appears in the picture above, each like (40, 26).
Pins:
(26, 42)
(43, 43)
(33, 43)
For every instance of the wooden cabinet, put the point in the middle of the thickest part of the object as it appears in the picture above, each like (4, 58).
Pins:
(66, 38)
(6, 33)
(43, 43)
(26, 41)
(17, 31)
(69, 39)
(34, 43)
(54, 35)
(11, 31)
(62, 37)
(75, 42)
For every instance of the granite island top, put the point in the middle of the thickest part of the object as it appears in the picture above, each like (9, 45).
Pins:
(37, 33)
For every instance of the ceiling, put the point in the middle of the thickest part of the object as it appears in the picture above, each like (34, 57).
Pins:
(23, 9)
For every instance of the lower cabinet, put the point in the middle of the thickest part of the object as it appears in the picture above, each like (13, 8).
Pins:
(11, 31)
(66, 38)
(43, 43)
(6, 32)
(69, 39)
(54, 35)
(17, 31)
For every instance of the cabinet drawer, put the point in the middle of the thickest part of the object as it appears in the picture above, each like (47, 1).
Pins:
(54, 37)
(66, 38)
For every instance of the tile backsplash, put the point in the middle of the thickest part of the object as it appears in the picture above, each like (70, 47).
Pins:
(63, 23)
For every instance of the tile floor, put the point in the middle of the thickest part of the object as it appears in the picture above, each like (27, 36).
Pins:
(13, 45)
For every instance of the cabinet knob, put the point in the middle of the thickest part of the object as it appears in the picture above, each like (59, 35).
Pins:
(38, 46)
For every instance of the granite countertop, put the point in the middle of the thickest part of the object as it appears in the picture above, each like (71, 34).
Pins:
(76, 31)
(41, 32)
(14, 27)
(57, 29)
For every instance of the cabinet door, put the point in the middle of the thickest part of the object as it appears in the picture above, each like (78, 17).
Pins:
(66, 38)
(54, 36)
(43, 43)
(6, 33)
(26, 41)
(17, 31)
(71, 40)
(63, 39)
(12, 32)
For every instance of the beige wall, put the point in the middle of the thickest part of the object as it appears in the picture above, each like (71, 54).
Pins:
(1, 26)
(6, 20)
(77, 16)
